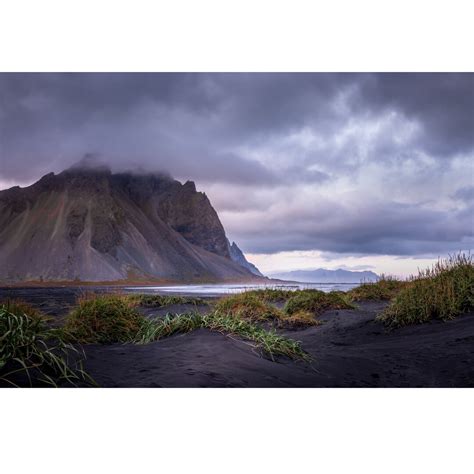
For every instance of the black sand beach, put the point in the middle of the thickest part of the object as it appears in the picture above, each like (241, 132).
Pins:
(350, 349)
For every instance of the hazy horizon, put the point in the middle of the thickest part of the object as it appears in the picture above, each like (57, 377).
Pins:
(354, 171)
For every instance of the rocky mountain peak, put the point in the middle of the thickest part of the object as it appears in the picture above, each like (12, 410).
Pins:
(89, 224)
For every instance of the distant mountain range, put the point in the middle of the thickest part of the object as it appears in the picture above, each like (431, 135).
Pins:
(88, 224)
(321, 275)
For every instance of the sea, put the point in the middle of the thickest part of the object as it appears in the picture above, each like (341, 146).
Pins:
(221, 289)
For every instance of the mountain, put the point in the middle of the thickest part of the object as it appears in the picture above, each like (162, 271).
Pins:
(237, 256)
(321, 275)
(89, 224)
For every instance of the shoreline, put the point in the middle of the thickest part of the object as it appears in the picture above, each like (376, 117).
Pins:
(349, 349)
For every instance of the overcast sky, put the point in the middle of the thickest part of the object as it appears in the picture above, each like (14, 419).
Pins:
(305, 170)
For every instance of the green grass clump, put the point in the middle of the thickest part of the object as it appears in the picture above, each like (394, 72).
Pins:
(271, 295)
(248, 306)
(315, 302)
(268, 341)
(103, 319)
(115, 318)
(28, 346)
(158, 301)
(300, 310)
(442, 292)
(154, 329)
(300, 319)
(386, 288)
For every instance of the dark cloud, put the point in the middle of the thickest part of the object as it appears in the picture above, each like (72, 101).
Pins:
(465, 194)
(442, 103)
(385, 228)
(402, 144)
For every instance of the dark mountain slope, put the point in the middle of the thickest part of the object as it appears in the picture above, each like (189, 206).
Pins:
(88, 224)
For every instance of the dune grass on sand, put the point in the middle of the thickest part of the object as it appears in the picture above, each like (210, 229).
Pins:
(442, 292)
(29, 347)
(301, 307)
(50, 356)
(109, 318)
(268, 341)
(386, 288)
(159, 301)
(103, 318)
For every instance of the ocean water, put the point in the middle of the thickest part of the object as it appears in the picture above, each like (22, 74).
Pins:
(220, 289)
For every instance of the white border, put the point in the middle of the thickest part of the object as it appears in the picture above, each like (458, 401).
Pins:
(244, 35)
(236, 430)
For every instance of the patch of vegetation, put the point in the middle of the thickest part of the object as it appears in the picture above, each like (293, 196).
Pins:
(315, 302)
(103, 318)
(248, 306)
(301, 308)
(386, 288)
(154, 329)
(442, 292)
(300, 319)
(159, 301)
(271, 295)
(17, 306)
(268, 341)
(114, 318)
(28, 347)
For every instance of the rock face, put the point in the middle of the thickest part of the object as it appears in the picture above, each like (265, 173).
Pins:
(237, 256)
(88, 224)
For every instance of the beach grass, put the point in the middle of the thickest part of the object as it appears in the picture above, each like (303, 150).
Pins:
(268, 341)
(299, 319)
(103, 318)
(271, 295)
(385, 288)
(255, 307)
(154, 329)
(443, 291)
(110, 318)
(248, 306)
(301, 308)
(28, 347)
(159, 301)
(315, 302)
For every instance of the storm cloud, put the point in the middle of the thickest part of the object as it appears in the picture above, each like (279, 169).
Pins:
(358, 164)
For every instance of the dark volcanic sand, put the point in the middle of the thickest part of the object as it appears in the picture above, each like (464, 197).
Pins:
(349, 350)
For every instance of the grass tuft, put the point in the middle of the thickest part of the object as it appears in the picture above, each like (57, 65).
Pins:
(154, 329)
(271, 295)
(315, 302)
(443, 291)
(301, 308)
(158, 301)
(28, 347)
(300, 319)
(103, 319)
(248, 306)
(268, 341)
(114, 318)
(386, 288)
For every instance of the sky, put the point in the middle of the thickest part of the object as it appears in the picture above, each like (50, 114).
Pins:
(355, 171)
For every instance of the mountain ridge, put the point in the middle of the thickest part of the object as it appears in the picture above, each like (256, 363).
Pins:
(321, 275)
(89, 224)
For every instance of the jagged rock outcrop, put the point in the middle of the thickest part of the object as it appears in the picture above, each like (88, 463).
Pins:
(238, 256)
(89, 224)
